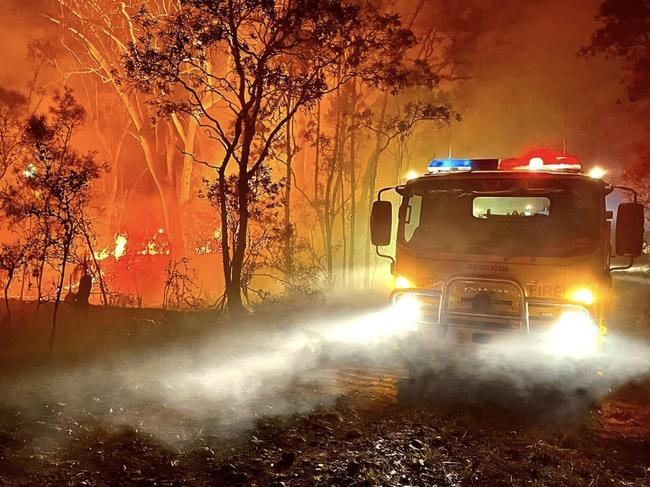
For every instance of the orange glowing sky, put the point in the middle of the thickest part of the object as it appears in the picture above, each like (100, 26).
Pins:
(528, 87)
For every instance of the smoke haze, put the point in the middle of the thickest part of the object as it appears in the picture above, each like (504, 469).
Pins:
(526, 87)
(221, 384)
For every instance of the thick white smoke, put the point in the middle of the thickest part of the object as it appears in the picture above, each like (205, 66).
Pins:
(288, 365)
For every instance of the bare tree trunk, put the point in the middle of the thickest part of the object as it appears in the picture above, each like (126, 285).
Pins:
(328, 219)
(341, 187)
(188, 162)
(399, 161)
(368, 191)
(22, 284)
(317, 158)
(166, 193)
(235, 303)
(41, 267)
(39, 281)
(57, 301)
(288, 228)
(329, 253)
(317, 194)
(100, 279)
(344, 238)
(225, 237)
(353, 184)
(7, 307)
(329, 210)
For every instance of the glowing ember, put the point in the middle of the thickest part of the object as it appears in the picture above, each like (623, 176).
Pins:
(30, 171)
(154, 247)
(102, 254)
(206, 248)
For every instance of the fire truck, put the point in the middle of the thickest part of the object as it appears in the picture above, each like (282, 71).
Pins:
(493, 249)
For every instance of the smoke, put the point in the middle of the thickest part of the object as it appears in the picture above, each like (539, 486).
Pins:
(512, 382)
(521, 83)
(21, 22)
(219, 386)
(260, 366)
(524, 86)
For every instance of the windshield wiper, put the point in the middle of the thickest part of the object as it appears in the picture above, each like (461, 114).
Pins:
(514, 191)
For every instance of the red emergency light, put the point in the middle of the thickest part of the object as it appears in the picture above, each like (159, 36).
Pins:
(542, 160)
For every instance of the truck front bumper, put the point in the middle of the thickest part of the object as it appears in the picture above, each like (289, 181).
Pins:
(556, 327)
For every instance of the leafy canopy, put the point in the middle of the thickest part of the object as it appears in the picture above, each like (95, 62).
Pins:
(624, 33)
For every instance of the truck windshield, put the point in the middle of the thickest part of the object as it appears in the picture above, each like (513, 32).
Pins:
(500, 217)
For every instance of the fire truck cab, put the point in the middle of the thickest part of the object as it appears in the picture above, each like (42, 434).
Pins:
(497, 248)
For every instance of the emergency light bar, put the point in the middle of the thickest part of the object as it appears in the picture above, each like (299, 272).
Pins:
(537, 160)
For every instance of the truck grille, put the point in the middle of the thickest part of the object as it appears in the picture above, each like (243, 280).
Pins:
(486, 304)
(430, 308)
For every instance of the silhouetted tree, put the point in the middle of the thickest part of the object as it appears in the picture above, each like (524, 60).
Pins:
(50, 194)
(13, 257)
(231, 65)
(180, 289)
(624, 34)
(386, 130)
(263, 208)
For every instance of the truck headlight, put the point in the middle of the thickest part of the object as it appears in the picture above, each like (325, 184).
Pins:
(583, 296)
(408, 303)
(407, 309)
(573, 335)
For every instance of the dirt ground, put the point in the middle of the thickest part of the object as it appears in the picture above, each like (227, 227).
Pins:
(200, 415)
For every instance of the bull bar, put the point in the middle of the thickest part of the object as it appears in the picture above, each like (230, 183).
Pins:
(522, 317)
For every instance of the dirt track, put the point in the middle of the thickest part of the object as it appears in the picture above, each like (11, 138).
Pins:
(333, 423)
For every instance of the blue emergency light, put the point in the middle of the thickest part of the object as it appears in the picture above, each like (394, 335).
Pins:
(450, 165)
(446, 165)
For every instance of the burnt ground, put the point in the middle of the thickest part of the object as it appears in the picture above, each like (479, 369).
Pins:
(188, 415)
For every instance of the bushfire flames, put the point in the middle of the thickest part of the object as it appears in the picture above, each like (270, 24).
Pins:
(157, 245)
(118, 251)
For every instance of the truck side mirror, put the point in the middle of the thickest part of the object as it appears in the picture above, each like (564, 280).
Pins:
(381, 223)
(629, 229)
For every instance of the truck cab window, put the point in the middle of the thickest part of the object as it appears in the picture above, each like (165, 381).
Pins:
(412, 217)
(510, 206)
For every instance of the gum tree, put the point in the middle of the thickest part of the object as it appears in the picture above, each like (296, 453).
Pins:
(51, 193)
(230, 64)
(13, 258)
(96, 34)
(623, 33)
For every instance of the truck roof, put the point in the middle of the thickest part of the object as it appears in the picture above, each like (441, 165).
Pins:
(524, 174)
(509, 174)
